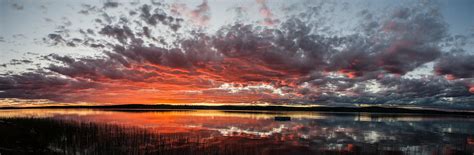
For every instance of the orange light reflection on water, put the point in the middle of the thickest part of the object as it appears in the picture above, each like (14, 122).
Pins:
(259, 128)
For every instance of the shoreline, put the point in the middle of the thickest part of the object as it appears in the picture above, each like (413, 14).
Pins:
(371, 109)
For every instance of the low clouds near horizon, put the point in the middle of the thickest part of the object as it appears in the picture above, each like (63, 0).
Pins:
(169, 52)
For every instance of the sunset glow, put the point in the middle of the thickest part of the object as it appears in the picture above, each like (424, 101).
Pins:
(231, 77)
(416, 53)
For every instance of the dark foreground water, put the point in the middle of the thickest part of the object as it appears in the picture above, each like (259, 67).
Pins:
(219, 132)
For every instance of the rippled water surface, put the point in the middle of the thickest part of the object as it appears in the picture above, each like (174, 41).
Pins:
(74, 131)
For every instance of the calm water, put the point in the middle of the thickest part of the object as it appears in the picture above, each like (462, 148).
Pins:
(220, 132)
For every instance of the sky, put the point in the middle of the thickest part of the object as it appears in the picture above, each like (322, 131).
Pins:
(302, 52)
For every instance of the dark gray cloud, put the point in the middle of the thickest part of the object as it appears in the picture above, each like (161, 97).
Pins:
(40, 85)
(15, 62)
(17, 6)
(95, 69)
(456, 66)
(152, 16)
(111, 4)
(122, 34)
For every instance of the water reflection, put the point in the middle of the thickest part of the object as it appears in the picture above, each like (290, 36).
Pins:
(232, 132)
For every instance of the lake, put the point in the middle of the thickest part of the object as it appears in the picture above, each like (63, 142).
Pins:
(89, 131)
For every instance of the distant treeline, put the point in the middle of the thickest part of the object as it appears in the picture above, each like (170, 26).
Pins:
(373, 109)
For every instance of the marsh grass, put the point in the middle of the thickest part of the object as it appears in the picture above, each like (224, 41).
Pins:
(54, 136)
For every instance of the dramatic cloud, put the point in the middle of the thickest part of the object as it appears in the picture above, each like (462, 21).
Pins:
(456, 66)
(148, 54)
(40, 85)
